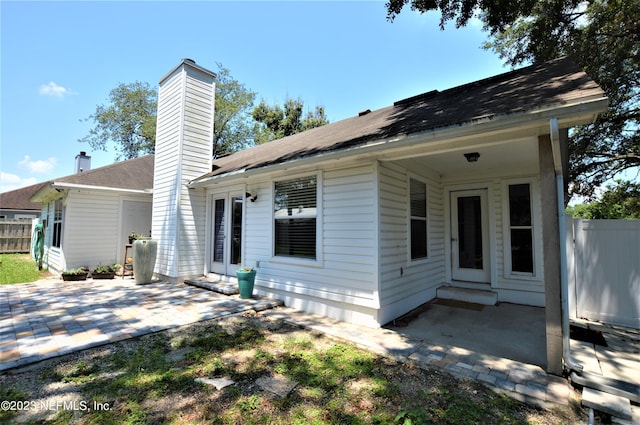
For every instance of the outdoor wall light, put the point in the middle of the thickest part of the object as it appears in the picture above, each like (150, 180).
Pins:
(472, 156)
(253, 196)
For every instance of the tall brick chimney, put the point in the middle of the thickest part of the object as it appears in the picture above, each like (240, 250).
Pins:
(184, 144)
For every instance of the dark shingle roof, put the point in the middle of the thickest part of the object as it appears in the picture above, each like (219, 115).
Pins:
(134, 174)
(19, 199)
(526, 89)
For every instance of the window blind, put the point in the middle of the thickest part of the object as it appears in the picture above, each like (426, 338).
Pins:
(295, 215)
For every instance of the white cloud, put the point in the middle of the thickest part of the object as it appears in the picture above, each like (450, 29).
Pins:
(11, 182)
(53, 89)
(41, 166)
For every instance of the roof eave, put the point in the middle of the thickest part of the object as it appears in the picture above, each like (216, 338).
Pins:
(62, 185)
(43, 194)
(569, 114)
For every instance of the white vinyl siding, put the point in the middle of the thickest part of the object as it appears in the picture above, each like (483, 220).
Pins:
(342, 283)
(406, 284)
(183, 152)
(91, 235)
(92, 229)
(164, 186)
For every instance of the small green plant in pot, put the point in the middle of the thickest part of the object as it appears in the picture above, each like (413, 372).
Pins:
(75, 274)
(105, 272)
(246, 281)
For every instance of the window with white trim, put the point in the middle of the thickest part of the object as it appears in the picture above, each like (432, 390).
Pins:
(57, 223)
(418, 219)
(295, 217)
(521, 231)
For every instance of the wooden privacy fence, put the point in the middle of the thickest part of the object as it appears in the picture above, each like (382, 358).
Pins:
(15, 236)
(603, 259)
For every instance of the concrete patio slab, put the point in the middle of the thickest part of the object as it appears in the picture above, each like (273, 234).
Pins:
(510, 331)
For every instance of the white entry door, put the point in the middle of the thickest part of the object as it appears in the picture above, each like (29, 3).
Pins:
(226, 252)
(470, 236)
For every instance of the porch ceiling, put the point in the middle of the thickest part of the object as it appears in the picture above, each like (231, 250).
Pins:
(519, 156)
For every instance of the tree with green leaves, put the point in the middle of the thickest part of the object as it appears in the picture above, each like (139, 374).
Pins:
(233, 123)
(128, 120)
(275, 122)
(602, 37)
(620, 201)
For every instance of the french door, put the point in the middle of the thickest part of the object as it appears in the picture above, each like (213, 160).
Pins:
(470, 259)
(226, 252)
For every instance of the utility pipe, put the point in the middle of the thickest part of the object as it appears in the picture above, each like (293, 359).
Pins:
(571, 365)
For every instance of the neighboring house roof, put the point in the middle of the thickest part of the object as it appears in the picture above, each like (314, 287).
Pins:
(133, 174)
(19, 199)
(531, 88)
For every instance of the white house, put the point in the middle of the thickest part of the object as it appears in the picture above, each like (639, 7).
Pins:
(454, 193)
(87, 216)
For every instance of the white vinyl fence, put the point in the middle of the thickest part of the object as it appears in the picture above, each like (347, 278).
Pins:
(603, 258)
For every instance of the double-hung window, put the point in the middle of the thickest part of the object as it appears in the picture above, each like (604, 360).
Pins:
(418, 220)
(295, 217)
(521, 232)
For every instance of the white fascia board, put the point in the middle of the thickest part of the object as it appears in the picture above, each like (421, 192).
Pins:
(567, 115)
(62, 185)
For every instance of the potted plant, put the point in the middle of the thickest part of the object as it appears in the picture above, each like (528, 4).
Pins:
(75, 274)
(105, 272)
(246, 280)
(133, 236)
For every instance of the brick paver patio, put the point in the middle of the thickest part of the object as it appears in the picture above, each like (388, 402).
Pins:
(49, 318)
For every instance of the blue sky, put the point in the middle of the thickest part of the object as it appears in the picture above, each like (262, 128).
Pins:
(61, 59)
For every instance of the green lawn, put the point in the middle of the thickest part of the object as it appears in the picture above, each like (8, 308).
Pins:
(19, 268)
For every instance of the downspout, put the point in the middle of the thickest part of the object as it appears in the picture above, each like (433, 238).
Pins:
(570, 364)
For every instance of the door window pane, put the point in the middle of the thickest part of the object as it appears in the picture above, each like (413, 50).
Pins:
(218, 231)
(236, 227)
(470, 232)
